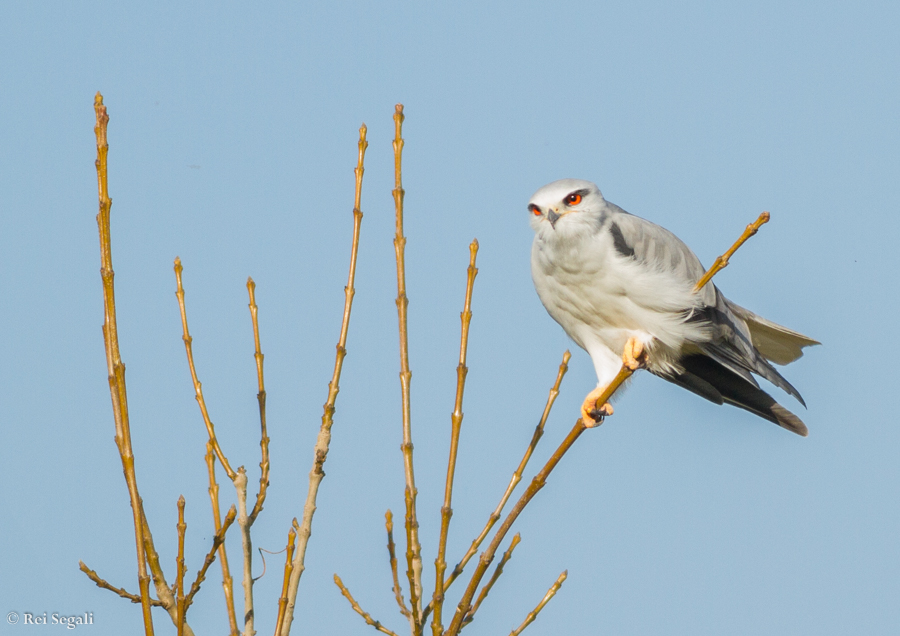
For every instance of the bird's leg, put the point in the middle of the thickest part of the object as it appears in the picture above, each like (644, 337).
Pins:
(634, 357)
(590, 414)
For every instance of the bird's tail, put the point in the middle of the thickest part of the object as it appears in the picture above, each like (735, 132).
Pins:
(710, 379)
(776, 343)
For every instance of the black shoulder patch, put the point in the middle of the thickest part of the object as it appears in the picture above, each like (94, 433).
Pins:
(619, 241)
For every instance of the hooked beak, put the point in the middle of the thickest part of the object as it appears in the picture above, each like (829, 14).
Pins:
(553, 217)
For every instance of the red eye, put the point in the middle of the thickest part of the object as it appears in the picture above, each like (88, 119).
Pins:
(573, 199)
(535, 210)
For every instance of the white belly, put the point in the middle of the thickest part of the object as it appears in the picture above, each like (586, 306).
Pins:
(602, 299)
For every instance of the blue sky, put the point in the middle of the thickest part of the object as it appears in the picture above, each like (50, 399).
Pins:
(232, 142)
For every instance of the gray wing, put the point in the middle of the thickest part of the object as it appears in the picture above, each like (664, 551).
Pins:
(739, 343)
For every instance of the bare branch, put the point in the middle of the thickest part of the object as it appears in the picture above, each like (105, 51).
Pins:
(721, 262)
(398, 592)
(240, 485)
(261, 398)
(356, 608)
(440, 564)
(134, 598)
(516, 478)
(470, 615)
(413, 547)
(537, 483)
(114, 364)
(288, 567)
(316, 474)
(533, 613)
(227, 580)
(198, 387)
(179, 570)
(218, 541)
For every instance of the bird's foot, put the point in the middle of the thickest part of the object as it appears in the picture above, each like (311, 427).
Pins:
(634, 357)
(590, 414)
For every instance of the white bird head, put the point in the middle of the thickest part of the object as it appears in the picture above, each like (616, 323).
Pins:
(565, 206)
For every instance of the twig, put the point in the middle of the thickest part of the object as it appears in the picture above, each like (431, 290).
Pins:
(198, 387)
(533, 613)
(516, 478)
(470, 615)
(218, 541)
(227, 580)
(356, 608)
(324, 438)
(261, 398)
(440, 563)
(179, 569)
(115, 366)
(721, 262)
(413, 547)
(134, 598)
(288, 566)
(398, 592)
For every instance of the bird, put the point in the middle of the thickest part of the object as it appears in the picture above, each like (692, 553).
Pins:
(623, 289)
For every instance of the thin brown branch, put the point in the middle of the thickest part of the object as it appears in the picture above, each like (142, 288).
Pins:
(356, 608)
(413, 547)
(470, 615)
(114, 364)
(288, 566)
(261, 398)
(316, 474)
(180, 569)
(101, 583)
(533, 613)
(218, 542)
(198, 387)
(516, 477)
(721, 262)
(398, 592)
(227, 580)
(440, 563)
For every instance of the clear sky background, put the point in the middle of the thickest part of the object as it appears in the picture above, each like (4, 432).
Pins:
(232, 142)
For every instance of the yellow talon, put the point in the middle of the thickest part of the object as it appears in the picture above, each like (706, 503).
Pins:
(634, 357)
(590, 414)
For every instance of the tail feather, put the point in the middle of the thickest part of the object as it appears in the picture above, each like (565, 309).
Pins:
(776, 343)
(715, 382)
